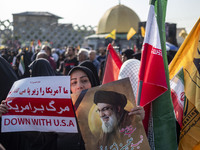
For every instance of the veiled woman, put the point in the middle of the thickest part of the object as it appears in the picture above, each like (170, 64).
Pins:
(41, 67)
(7, 78)
(32, 140)
(81, 79)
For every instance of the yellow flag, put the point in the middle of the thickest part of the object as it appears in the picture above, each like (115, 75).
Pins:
(31, 44)
(183, 34)
(188, 57)
(20, 50)
(142, 31)
(186, 52)
(130, 33)
(112, 35)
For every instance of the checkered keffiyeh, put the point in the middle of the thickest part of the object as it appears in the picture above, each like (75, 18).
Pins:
(130, 68)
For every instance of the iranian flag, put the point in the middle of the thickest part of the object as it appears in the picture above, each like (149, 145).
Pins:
(188, 58)
(21, 65)
(154, 87)
(178, 95)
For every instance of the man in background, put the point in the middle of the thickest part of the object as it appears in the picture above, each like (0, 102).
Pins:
(83, 54)
(70, 60)
(92, 58)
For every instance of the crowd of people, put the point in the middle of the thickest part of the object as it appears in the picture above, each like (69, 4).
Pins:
(61, 60)
(85, 67)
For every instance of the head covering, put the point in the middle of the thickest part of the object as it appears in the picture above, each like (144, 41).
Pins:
(7, 78)
(130, 68)
(110, 97)
(137, 55)
(91, 66)
(27, 61)
(88, 73)
(128, 53)
(41, 67)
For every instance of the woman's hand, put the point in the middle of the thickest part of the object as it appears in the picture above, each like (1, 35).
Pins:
(3, 108)
(138, 110)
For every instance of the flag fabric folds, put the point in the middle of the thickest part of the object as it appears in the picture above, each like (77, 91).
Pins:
(188, 57)
(142, 31)
(112, 66)
(21, 65)
(178, 95)
(186, 52)
(130, 33)
(32, 43)
(39, 43)
(152, 71)
(112, 35)
(154, 85)
(183, 34)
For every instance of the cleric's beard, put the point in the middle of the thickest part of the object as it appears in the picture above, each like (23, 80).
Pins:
(108, 126)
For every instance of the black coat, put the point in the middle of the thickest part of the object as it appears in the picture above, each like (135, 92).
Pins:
(7, 78)
(25, 140)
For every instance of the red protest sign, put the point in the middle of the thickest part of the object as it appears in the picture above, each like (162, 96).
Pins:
(40, 104)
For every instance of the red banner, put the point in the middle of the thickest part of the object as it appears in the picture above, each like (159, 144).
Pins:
(152, 74)
(112, 66)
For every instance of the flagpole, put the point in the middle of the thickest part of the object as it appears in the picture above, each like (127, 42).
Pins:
(139, 92)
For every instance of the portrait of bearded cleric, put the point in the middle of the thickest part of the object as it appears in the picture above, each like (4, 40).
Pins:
(103, 117)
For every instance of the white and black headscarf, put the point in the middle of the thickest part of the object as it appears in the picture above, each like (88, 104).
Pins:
(130, 68)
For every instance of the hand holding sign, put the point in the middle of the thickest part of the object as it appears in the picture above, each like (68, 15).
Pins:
(39, 104)
(3, 108)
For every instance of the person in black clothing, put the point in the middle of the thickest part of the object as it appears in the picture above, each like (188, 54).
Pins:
(102, 54)
(47, 49)
(24, 57)
(27, 140)
(82, 78)
(70, 60)
(30, 140)
(102, 59)
(7, 78)
(41, 67)
(127, 54)
(40, 140)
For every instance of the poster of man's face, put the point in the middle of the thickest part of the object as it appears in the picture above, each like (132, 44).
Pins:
(102, 114)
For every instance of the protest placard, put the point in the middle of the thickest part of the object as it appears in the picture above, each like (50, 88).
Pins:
(40, 104)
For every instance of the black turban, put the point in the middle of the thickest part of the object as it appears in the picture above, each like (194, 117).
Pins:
(110, 97)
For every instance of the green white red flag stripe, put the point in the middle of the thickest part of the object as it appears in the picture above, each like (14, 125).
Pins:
(178, 95)
(154, 87)
(21, 65)
(152, 71)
